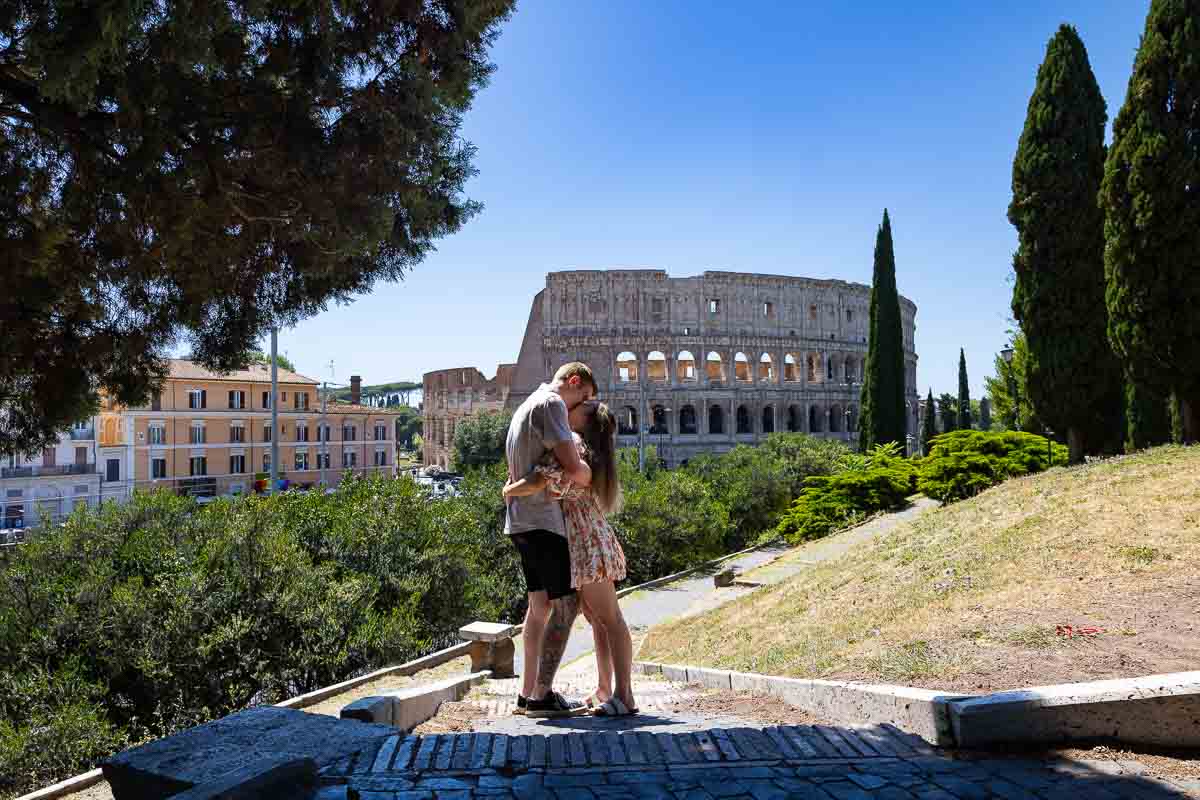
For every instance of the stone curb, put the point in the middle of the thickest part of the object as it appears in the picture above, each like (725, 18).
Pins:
(1159, 710)
(70, 786)
(923, 712)
(407, 708)
(706, 565)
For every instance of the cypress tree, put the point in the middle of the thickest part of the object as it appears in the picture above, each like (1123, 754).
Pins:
(1151, 201)
(985, 414)
(964, 393)
(1073, 377)
(883, 412)
(1147, 417)
(928, 424)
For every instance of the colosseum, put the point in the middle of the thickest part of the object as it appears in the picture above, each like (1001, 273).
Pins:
(708, 362)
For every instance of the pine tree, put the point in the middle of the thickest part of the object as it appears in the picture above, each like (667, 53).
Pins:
(883, 412)
(948, 410)
(985, 414)
(928, 424)
(1151, 201)
(964, 393)
(1073, 377)
(1147, 417)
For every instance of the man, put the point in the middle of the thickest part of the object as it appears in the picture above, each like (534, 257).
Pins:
(536, 528)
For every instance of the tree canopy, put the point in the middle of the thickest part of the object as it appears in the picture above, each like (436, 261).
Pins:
(883, 413)
(1074, 379)
(1151, 200)
(174, 172)
(479, 439)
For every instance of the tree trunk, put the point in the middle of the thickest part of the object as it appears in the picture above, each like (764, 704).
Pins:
(1189, 409)
(1075, 444)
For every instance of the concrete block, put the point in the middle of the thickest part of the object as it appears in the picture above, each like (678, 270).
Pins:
(924, 712)
(277, 776)
(724, 578)
(647, 668)
(202, 754)
(369, 709)
(1161, 710)
(486, 631)
(674, 672)
(750, 682)
(711, 678)
(494, 656)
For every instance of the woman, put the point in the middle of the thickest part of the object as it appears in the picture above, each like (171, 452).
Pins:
(597, 560)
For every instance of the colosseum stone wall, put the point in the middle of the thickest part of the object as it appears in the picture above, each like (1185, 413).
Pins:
(709, 361)
(448, 396)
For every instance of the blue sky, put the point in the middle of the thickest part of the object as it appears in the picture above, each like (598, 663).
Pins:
(687, 136)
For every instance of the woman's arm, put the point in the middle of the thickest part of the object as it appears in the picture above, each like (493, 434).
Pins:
(532, 483)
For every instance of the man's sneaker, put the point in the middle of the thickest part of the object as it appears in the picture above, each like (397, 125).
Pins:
(554, 705)
(521, 703)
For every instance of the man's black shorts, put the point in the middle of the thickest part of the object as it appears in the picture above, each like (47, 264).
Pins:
(546, 562)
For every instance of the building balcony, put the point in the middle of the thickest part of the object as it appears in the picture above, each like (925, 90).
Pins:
(83, 434)
(46, 472)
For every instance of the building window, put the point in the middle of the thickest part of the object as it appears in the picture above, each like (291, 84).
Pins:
(381, 458)
(301, 431)
(769, 310)
(714, 306)
(197, 434)
(158, 468)
(199, 465)
(237, 434)
(380, 432)
(349, 458)
(687, 331)
(158, 434)
(812, 312)
(266, 400)
(849, 315)
(237, 464)
(300, 401)
(156, 402)
(349, 433)
(301, 459)
(237, 399)
(266, 433)
(197, 398)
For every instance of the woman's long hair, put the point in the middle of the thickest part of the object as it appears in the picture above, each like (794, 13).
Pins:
(600, 436)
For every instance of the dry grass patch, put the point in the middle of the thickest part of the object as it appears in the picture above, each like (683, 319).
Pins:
(1078, 573)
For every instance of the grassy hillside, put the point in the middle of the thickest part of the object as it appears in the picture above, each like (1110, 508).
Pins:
(975, 596)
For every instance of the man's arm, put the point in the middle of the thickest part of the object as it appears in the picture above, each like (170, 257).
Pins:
(573, 466)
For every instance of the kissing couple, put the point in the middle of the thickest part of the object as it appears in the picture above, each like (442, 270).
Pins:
(562, 485)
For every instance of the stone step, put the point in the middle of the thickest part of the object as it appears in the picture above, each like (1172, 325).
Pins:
(481, 751)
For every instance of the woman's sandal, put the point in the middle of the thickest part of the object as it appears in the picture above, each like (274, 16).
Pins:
(614, 708)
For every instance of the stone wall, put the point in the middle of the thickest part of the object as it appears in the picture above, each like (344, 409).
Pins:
(708, 361)
(452, 394)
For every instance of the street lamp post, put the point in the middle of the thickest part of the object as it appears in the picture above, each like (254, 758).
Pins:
(1049, 449)
(1007, 354)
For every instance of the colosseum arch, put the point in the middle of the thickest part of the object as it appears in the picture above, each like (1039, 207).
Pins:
(656, 367)
(816, 418)
(744, 425)
(791, 370)
(768, 419)
(715, 367)
(766, 368)
(685, 367)
(852, 420)
(812, 362)
(627, 421)
(716, 419)
(687, 419)
(795, 419)
(742, 368)
(835, 418)
(626, 368)
(658, 419)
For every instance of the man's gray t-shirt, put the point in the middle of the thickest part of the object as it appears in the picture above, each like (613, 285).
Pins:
(537, 425)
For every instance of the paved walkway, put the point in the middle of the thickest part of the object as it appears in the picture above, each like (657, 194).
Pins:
(792, 761)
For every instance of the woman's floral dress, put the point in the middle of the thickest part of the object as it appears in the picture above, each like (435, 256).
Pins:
(596, 555)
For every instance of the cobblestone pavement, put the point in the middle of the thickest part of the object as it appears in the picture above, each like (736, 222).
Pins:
(792, 761)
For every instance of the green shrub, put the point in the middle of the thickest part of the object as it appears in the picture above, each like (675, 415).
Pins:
(804, 456)
(961, 464)
(878, 481)
(752, 483)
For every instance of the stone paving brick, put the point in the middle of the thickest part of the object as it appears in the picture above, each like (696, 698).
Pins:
(669, 748)
(377, 795)
(727, 788)
(576, 750)
(690, 747)
(444, 784)
(425, 753)
(845, 790)
(962, 789)
(935, 793)
(558, 751)
(574, 793)
(537, 751)
(414, 795)
(638, 777)
(725, 744)
(867, 781)
(803, 739)
(883, 745)
(461, 759)
(837, 741)
(766, 790)
(707, 746)
(616, 753)
(650, 747)
(528, 786)
(693, 794)
(499, 751)
(452, 795)
(740, 772)
(597, 750)
(585, 779)
(444, 752)
(781, 743)
(495, 782)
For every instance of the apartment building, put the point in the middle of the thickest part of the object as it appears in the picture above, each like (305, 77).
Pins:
(49, 485)
(209, 434)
